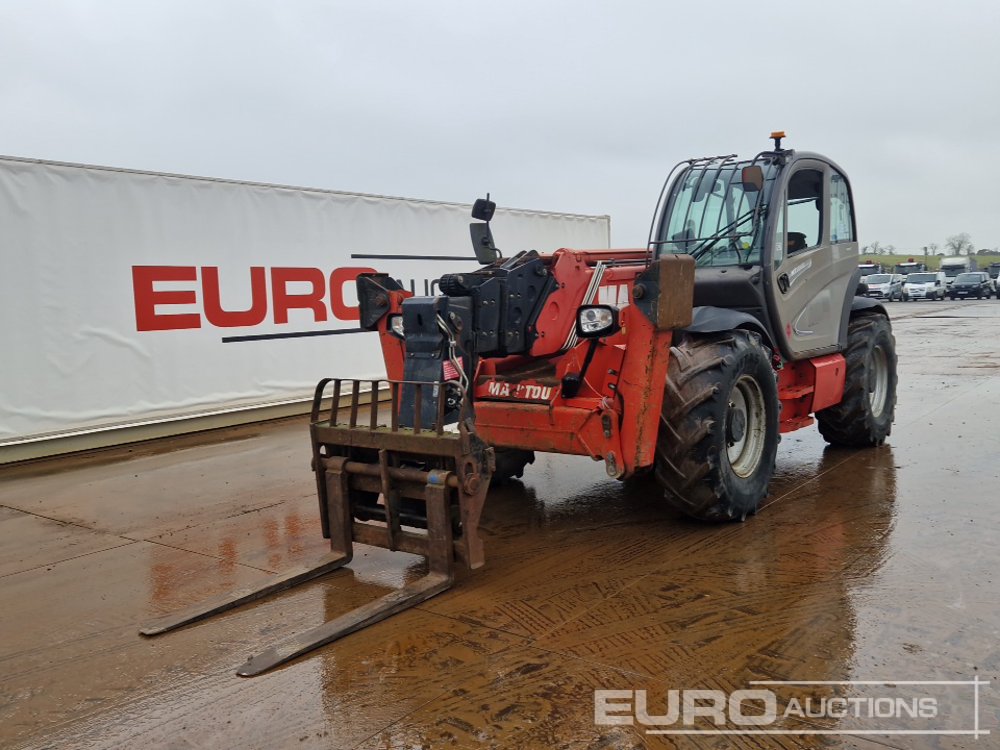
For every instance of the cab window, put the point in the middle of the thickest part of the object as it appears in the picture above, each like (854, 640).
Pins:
(841, 224)
(804, 215)
(780, 241)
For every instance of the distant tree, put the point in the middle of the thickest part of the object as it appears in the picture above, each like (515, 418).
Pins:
(889, 249)
(933, 248)
(875, 248)
(960, 244)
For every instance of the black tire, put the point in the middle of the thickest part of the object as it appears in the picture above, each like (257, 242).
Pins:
(864, 416)
(700, 432)
(510, 463)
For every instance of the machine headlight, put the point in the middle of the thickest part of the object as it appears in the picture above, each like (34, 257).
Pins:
(396, 326)
(593, 321)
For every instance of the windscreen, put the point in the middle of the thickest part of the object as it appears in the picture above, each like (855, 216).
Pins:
(921, 278)
(878, 278)
(712, 217)
(968, 277)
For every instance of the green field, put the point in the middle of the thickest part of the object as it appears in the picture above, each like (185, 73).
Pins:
(932, 261)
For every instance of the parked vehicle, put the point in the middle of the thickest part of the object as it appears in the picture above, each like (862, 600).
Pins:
(952, 267)
(901, 278)
(975, 284)
(869, 268)
(994, 271)
(887, 286)
(910, 266)
(928, 285)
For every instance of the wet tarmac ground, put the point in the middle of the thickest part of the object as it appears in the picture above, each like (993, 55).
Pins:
(875, 565)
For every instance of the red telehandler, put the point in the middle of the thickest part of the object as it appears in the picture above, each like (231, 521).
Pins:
(687, 359)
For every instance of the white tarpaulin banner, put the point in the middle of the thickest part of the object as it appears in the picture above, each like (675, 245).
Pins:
(131, 296)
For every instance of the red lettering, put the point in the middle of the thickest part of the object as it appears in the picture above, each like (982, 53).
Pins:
(338, 278)
(147, 298)
(214, 313)
(313, 300)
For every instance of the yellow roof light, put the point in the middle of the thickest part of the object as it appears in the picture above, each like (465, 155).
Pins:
(778, 134)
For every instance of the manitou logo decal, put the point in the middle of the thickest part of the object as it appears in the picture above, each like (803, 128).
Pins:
(525, 391)
(273, 294)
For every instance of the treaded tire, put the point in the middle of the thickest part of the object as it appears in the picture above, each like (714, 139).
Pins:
(510, 463)
(693, 463)
(854, 422)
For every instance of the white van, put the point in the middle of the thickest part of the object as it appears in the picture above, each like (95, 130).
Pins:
(925, 285)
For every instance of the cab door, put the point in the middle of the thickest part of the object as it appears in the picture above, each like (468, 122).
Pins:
(814, 258)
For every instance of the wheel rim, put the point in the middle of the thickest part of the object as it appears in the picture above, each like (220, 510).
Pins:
(878, 383)
(746, 410)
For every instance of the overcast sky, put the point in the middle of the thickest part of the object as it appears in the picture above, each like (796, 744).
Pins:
(566, 106)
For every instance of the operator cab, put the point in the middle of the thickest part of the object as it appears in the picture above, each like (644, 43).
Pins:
(773, 238)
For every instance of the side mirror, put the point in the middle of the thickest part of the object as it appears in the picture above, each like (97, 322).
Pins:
(752, 179)
(483, 209)
(482, 238)
(482, 243)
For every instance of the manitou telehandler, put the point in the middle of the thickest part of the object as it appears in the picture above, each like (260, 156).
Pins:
(687, 359)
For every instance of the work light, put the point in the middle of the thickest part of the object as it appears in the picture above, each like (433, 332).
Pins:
(593, 321)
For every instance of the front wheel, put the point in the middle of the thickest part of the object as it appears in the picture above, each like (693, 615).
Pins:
(865, 413)
(719, 426)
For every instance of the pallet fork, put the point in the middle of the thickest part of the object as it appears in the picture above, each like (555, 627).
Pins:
(378, 485)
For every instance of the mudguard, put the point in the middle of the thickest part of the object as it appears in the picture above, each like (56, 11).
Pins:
(858, 304)
(866, 303)
(709, 319)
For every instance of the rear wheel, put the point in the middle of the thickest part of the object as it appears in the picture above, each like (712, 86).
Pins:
(719, 427)
(864, 415)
